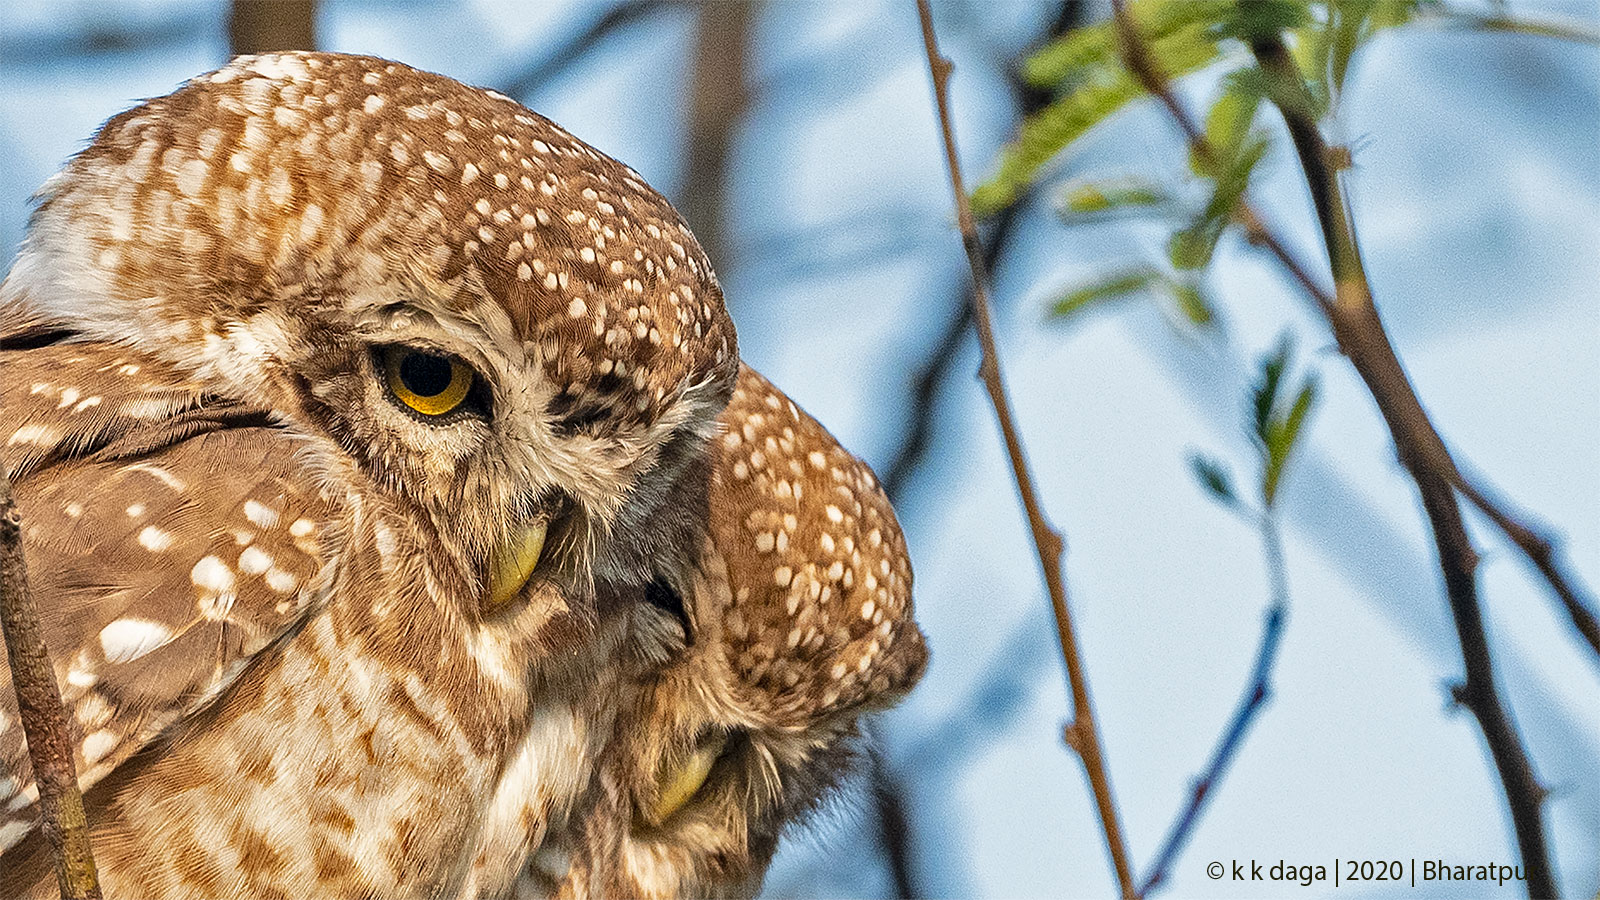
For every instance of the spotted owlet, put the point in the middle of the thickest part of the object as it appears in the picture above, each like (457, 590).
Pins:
(364, 427)
(798, 619)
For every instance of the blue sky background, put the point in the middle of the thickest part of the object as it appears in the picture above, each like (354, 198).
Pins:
(1476, 190)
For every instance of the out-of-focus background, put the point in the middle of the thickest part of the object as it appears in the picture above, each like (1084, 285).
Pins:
(799, 139)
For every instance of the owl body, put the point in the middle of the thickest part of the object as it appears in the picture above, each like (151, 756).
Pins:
(392, 533)
(386, 380)
(799, 605)
(310, 741)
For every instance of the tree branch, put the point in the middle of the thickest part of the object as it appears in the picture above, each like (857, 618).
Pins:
(264, 26)
(930, 377)
(1354, 319)
(1393, 392)
(541, 72)
(44, 723)
(1081, 733)
(1254, 699)
(1359, 330)
(1541, 551)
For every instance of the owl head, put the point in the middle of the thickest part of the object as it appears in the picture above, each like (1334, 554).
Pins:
(505, 331)
(794, 623)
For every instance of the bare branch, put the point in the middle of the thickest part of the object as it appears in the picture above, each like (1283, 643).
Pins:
(1360, 332)
(717, 102)
(548, 67)
(930, 377)
(1541, 551)
(44, 723)
(264, 26)
(1251, 702)
(1081, 733)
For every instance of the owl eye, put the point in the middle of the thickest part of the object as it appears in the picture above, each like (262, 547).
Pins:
(432, 384)
(677, 784)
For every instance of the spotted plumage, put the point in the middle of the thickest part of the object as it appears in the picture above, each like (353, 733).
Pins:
(799, 609)
(361, 421)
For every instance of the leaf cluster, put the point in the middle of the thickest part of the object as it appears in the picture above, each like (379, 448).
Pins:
(1085, 72)
(1275, 421)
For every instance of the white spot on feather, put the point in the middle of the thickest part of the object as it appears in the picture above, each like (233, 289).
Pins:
(254, 561)
(12, 832)
(37, 435)
(125, 640)
(160, 474)
(281, 581)
(97, 745)
(212, 574)
(260, 514)
(155, 539)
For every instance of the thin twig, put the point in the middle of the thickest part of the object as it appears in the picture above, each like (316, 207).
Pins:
(267, 26)
(1081, 733)
(924, 400)
(1396, 399)
(1251, 702)
(44, 723)
(1550, 28)
(1360, 332)
(1541, 551)
(1356, 325)
(559, 60)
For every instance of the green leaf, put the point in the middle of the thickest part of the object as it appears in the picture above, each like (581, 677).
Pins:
(1214, 477)
(1192, 247)
(1045, 134)
(1352, 23)
(1064, 59)
(1100, 196)
(1180, 39)
(1264, 393)
(1249, 19)
(1310, 47)
(1285, 433)
(1086, 202)
(1069, 58)
(1234, 112)
(1113, 288)
(1235, 178)
(1195, 306)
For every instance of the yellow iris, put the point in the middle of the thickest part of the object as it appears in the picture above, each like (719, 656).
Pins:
(429, 383)
(678, 785)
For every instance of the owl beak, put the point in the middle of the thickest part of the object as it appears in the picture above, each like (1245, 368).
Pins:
(677, 786)
(512, 564)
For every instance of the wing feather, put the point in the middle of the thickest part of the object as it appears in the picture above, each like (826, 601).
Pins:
(169, 540)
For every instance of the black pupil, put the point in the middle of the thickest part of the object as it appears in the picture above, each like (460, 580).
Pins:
(424, 375)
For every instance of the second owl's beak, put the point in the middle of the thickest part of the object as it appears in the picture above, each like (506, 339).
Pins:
(514, 561)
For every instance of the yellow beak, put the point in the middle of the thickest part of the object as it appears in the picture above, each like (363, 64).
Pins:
(678, 786)
(510, 566)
